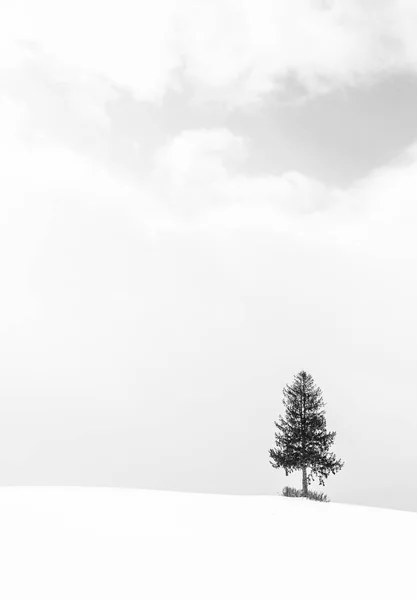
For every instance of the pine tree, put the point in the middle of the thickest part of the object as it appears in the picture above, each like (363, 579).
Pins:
(302, 441)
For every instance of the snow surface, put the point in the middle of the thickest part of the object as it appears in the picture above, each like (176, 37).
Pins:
(101, 543)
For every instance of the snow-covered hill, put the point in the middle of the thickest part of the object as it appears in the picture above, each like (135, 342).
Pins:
(101, 544)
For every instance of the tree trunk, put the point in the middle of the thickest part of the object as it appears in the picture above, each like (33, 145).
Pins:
(305, 489)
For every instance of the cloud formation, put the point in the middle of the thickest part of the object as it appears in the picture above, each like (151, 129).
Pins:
(377, 215)
(232, 51)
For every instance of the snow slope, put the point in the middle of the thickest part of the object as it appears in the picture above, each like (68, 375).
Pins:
(99, 543)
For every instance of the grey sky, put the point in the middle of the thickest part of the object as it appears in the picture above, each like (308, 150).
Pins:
(179, 236)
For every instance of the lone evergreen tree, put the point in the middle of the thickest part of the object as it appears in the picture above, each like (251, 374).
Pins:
(302, 441)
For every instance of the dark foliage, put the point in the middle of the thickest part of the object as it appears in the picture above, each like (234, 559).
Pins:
(302, 441)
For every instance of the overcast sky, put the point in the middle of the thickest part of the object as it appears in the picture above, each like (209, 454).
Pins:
(198, 199)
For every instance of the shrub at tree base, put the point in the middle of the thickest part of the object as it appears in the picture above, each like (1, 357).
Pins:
(290, 492)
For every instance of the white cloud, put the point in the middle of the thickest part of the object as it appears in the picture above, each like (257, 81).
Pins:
(376, 215)
(200, 181)
(228, 49)
(244, 50)
(199, 156)
(126, 41)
